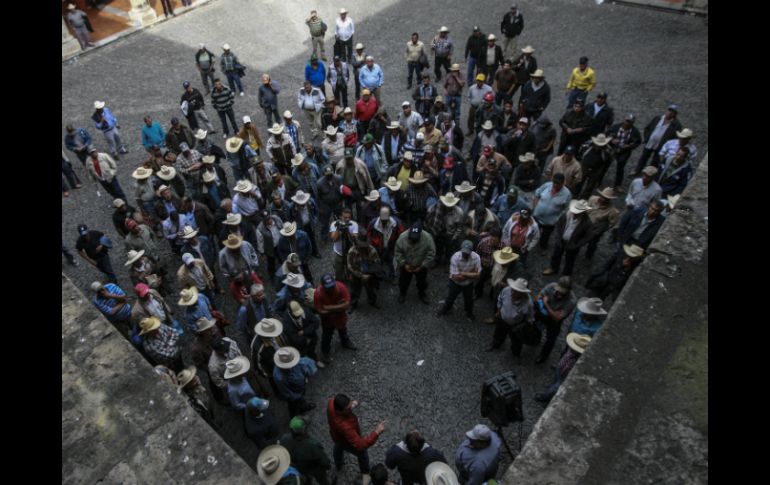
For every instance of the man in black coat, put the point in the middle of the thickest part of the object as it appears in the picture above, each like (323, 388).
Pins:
(412, 456)
(473, 48)
(573, 231)
(489, 69)
(511, 27)
(657, 132)
(639, 226)
(524, 66)
(624, 138)
(535, 96)
(575, 127)
(601, 114)
(392, 142)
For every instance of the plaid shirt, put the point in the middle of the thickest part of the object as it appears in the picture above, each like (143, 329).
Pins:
(163, 346)
(486, 247)
(183, 163)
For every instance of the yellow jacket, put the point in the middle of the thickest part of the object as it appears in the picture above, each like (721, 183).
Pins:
(583, 81)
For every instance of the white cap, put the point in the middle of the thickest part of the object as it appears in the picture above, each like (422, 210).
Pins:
(443, 29)
(406, 103)
(226, 47)
(201, 45)
(246, 119)
(187, 258)
(491, 37)
(420, 136)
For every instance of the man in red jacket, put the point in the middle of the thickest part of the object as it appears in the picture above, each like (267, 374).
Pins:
(346, 433)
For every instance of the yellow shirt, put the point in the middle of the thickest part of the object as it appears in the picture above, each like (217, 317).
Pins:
(403, 177)
(583, 81)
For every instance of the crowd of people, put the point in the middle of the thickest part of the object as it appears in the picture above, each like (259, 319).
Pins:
(396, 198)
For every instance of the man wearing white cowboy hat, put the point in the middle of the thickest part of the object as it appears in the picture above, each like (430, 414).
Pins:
(250, 134)
(644, 190)
(453, 87)
(535, 95)
(515, 315)
(442, 48)
(524, 65)
(290, 374)
(293, 129)
(305, 213)
(478, 456)
(280, 149)
(468, 197)
(247, 201)
(554, 304)
(671, 147)
(343, 33)
(295, 240)
(213, 188)
(573, 230)
(604, 216)
(239, 391)
(393, 141)
(589, 317)
(161, 343)
(240, 156)
(486, 137)
(108, 124)
(595, 157)
(502, 270)
(311, 101)
(273, 466)
(142, 269)
(490, 59)
(168, 176)
(333, 145)
(420, 195)
(237, 255)
(301, 329)
(610, 278)
(576, 345)
(657, 133)
(268, 338)
(444, 222)
(526, 176)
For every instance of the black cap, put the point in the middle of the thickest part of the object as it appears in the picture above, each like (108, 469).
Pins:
(525, 213)
(602, 95)
(569, 149)
(82, 229)
(414, 232)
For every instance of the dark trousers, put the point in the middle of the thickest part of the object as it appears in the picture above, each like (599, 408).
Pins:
(646, 156)
(270, 114)
(591, 180)
(405, 279)
(233, 80)
(545, 235)
(67, 254)
(113, 188)
(344, 49)
(552, 331)
(72, 178)
(358, 84)
(620, 169)
(326, 338)
(362, 456)
(105, 266)
(341, 93)
(503, 330)
(297, 407)
(486, 275)
(309, 348)
(445, 248)
(411, 68)
(306, 271)
(223, 115)
(82, 156)
(439, 62)
(168, 9)
(454, 292)
(593, 244)
(569, 258)
(356, 284)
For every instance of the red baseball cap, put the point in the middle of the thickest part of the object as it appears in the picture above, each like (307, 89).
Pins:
(487, 150)
(449, 161)
(489, 97)
(130, 224)
(345, 191)
(141, 289)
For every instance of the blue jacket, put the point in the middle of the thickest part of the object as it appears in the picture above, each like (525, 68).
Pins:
(291, 383)
(631, 221)
(304, 248)
(69, 140)
(584, 327)
(503, 209)
(317, 77)
(279, 305)
(153, 135)
(109, 123)
(371, 78)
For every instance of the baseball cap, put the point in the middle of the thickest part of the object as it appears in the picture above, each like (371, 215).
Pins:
(183, 147)
(513, 191)
(524, 119)
(293, 258)
(674, 107)
(480, 432)
(369, 138)
(130, 224)
(96, 286)
(419, 136)
(258, 404)
(569, 149)
(328, 281)
(466, 247)
(297, 424)
(350, 152)
(82, 229)
(328, 170)
(141, 289)
(174, 120)
(602, 95)
(414, 232)
(186, 84)
(525, 213)
(487, 150)
(476, 28)
(187, 258)
(630, 117)
(489, 97)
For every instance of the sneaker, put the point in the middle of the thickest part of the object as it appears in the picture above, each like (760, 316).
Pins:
(242, 93)
(123, 151)
(73, 263)
(548, 271)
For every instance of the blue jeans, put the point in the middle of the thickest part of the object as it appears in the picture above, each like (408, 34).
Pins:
(363, 457)
(113, 188)
(471, 70)
(233, 79)
(574, 95)
(454, 103)
(551, 390)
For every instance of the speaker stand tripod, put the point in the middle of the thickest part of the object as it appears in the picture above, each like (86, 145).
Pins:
(505, 443)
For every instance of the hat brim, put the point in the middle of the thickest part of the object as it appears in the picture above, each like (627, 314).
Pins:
(596, 141)
(154, 327)
(514, 287)
(572, 342)
(191, 235)
(599, 192)
(452, 203)
(234, 149)
(301, 201)
(460, 189)
(244, 369)
(191, 301)
(170, 176)
(583, 307)
(417, 181)
(283, 463)
(138, 176)
(438, 468)
(497, 257)
(209, 324)
(136, 258)
(278, 329)
(287, 365)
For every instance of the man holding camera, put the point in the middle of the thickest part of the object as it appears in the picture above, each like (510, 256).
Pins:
(342, 231)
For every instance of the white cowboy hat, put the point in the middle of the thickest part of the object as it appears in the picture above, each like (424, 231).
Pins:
(487, 125)
(272, 463)
(208, 176)
(226, 47)
(98, 104)
(269, 327)
(287, 114)
(233, 241)
(373, 195)
(578, 342)
(142, 173)
(393, 184)
(600, 140)
(359, 46)
(232, 219)
(519, 284)
(650, 171)
(201, 134)
(449, 200)
(188, 232)
(233, 144)
(294, 280)
(439, 473)
(286, 357)
(672, 200)
(331, 130)
(686, 133)
(408, 155)
(633, 251)
(296, 309)
(166, 173)
(243, 186)
(505, 255)
(537, 73)
(455, 67)
(133, 256)
(297, 160)
(528, 50)
(394, 125)
(607, 193)
(276, 129)
(149, 324)
(491, 37)
(161, 189)
(237, 367)
(418, 178)
(342, 10)
(527, 157)
(208, 159)
(188, 296)
(301, 197)
(186, 376)
(443, 29)
(591, 306)
(578, 206)
(203, 324)
(70, 7)
(464, 187)
(289, 229)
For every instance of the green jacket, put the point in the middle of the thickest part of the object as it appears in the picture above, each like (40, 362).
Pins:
(307, 454)
(421, 254)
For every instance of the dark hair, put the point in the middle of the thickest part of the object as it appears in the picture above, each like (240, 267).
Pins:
(583, 60)
(341, 401)
(415, 33)
(657, 204)
(414, 441)
(347, 209)
(558, 178)
(217, 80)
(379, 474)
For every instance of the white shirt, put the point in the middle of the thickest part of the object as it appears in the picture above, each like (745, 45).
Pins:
(641, 196)
(155, 309)
(345, 29)
(459, 265)
(352, 229)
(657, 134)
(569, 228)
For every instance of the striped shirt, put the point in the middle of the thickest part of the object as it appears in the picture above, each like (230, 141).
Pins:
(105, 305)
(222, 100)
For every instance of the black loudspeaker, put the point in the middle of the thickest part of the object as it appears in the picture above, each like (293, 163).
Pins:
(501, 400)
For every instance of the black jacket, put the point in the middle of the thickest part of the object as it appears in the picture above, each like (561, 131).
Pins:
(194, 101)
(411, 466)
(535, 101)
(513, 148)
(631, 221)
(523, 73)
(198, 56)
(523, 174)
(670, 133)
(600, 122)
(387, 146)
(633, 141)
(263, 431)
(512, 29)
(482, 59)
(474, 45)
(310, 326)
(581, 236)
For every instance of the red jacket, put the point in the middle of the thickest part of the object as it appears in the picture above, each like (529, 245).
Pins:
(345, 430)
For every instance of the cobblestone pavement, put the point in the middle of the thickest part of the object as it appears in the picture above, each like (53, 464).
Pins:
(644, 59)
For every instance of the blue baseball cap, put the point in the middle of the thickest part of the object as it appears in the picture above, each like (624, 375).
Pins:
(674, 107)
(186, 84)
(569, 149)
(328, 281)
(258, 404)
(82, 229)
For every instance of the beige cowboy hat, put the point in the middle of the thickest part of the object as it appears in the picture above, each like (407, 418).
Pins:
(394, 125)
(272, 463)
(505, 255)
(464, 187)
(331, 130)
(208, 176)
(286, 357)
(186, 376)
(418, 178)
(201, 134)
(276, 129)
(455, 67)
(686, 133)
(232, 219)
(600, 140)
(439, 473)
(289, 228)
(408, 155)
(528, 50)
(359, 46)
(538, 73)
(519, 284)
(578, 206)
(294, 280)
(393, 184)
(287, 114)
(527, 157)
(672, 200)
(233, 144)
(188, 232)
(148, 325)
(161, 189)
(237, 367)
(578, 342)
(297, 160)
(243, 186)
(591, 306)
(208, 159)
(296, 309)
(373, 195)
(204, 324)
(606, 192)
(301, 197)
(166, 173)
(342, 10)
(449, 200)
(117, 203)
(633, 251)
(188, 296)
(269, 327)
(142, 173)
(98, 104)
(234, 241)
(487, 125)
(133, 256)
(650, 171)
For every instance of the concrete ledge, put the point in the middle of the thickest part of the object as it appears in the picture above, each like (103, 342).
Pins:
(120, 422)
(635, 408)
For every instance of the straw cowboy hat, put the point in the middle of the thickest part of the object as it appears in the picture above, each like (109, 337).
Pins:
(133, 256)
(301, 197)
(233, 144)
(600, 140)
(208, 177)
(208, 160)
(294, 280)
(148, 325)
(578, 206)
(439, 473)
(449, 200)
(186, 376)
(297, 160)
(188, 232)
(607, 193)
(591, 306)
(537, 73)
(142, 173)
(633, 251)
(359, 46)
(455, 67)
(161, 189)
(527, 157)
(296, 309)
(201, 134)
(578, 342)
(232, 219)
(237, 367)
(289, 229)
(464, 187)
(528, 50)
(204, 324)
(393, 184)
(331, 130)
(269, 327)
(686, 133)
(519, 284)
(243, 186)
(487, 125)
(418, 178)
(287, 114)
(286, 357)
(188, 296)
(650, 171)
(505, 256)
(272, 463)
(234, 241)
(373, 195)
(276, 129)
(98, 104)
(166, 173)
